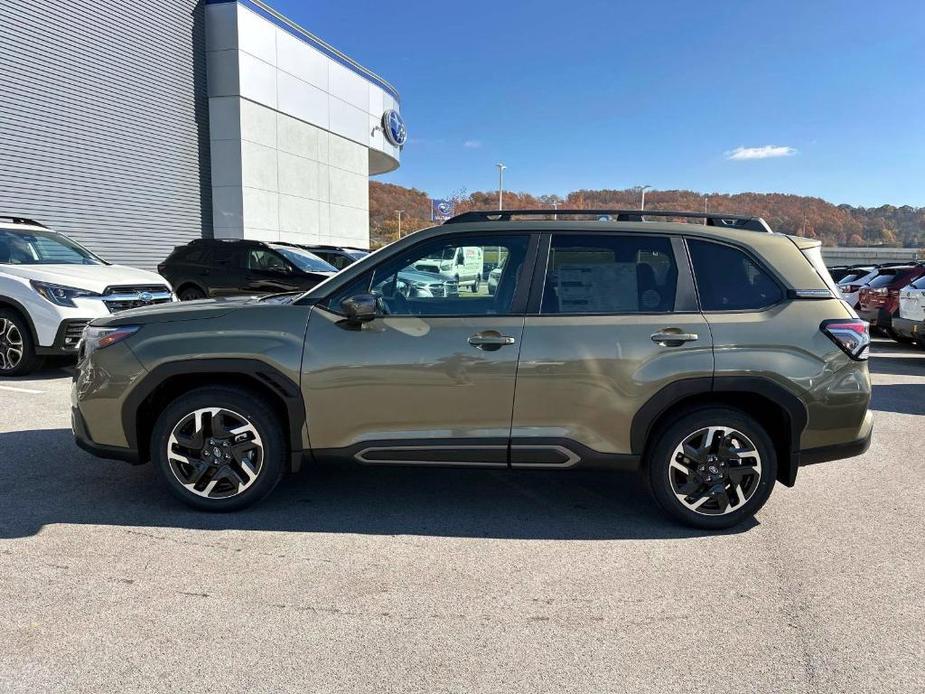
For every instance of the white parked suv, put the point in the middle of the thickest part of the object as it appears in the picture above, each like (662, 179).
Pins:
(51, 287)
(910, 323)
(850, 285)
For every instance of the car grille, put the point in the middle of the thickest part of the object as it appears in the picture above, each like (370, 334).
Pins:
(122, 298)
(73, 331)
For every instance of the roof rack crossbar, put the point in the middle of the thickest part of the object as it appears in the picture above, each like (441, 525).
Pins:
(22, 220)
(729, 221)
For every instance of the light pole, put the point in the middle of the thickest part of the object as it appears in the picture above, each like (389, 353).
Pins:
(501, 168)
(642, 201)
(706, 198)
(399, 222)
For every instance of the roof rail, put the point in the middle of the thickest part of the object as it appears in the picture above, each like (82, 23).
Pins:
(729, 221)
(22, 220)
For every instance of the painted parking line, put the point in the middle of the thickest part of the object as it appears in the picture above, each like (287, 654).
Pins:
(22, 390)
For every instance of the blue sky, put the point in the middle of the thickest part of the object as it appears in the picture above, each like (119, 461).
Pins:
(589, 94)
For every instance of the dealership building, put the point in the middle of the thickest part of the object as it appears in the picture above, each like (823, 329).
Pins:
(137, 126)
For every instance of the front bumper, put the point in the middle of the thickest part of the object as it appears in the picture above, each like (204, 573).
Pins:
(67, 338)
(83, 440)
(914, 330)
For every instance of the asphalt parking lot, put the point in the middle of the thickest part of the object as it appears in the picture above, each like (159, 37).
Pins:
(441, 580)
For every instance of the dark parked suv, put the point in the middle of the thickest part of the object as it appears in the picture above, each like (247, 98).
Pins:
(715, 359)
(224, 267)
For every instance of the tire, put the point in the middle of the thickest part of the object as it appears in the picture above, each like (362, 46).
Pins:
(17, 349)
(191, 293)
(896, 337)
(257, 463)
(475, 286)
(750, 476)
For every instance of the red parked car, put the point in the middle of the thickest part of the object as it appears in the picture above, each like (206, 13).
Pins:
(879, 300)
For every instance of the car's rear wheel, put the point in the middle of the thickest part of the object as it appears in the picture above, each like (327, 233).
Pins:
(476, 285)
(712, 468)
(191, 293)
(17, 350)
(219, 448)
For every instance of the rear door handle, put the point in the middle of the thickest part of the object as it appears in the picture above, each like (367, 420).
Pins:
(490, 340)
(673, 339)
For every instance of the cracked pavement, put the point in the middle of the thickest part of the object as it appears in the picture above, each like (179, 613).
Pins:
(409, 580)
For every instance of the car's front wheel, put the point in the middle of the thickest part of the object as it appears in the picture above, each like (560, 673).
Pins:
(712, 468)
(17, 350)
(191, 293)
(219, 448)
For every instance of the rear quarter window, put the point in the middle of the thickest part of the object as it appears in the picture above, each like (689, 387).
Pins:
(729, 280)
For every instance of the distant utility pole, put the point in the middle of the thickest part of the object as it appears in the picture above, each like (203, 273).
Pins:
(399, 222)
(642, 201)
(705, 200)
(501, 168)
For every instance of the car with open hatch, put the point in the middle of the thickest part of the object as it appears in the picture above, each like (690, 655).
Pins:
(714, 359)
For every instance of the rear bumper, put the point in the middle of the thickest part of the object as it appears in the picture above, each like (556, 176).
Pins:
(909, 328)
(83, 440)
(849, 449)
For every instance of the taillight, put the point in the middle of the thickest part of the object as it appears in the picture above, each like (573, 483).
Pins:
(852, 335)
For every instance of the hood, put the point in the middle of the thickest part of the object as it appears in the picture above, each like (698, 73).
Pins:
(178, 311)
(94, 278)
(422, 276)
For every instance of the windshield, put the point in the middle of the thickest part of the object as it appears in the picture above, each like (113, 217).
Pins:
(308, 262)
(36, 247)
(356, 255)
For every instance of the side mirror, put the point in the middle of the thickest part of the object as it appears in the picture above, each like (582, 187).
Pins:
(361, 308)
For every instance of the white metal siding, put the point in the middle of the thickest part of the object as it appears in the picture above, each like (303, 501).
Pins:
(104, 122)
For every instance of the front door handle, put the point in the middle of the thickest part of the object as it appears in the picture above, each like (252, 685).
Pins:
(672, 338)
(490, 340)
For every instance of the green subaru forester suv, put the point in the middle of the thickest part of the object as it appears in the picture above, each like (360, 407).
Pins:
(715, 358)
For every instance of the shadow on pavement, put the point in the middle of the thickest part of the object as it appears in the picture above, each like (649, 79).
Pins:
(898, 365)
(903, 398)
(46, 479)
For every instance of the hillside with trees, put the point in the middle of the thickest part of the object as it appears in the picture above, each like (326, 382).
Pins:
(834, 225)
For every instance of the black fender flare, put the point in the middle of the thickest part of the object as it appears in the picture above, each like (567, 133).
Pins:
(260, 372)
(664, 399)
(6, 301)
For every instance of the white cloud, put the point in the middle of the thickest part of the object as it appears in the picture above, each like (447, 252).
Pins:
(472, 144)
(766, 152)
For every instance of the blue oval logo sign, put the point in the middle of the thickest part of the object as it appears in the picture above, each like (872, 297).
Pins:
(394, 128)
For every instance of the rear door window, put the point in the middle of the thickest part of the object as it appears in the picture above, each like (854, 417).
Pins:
(609, 274)
(729, 280)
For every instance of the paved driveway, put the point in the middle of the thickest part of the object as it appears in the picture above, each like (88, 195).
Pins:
(439, 580)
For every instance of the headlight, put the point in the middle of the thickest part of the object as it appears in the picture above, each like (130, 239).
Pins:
(58, 294)
(95, 338)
